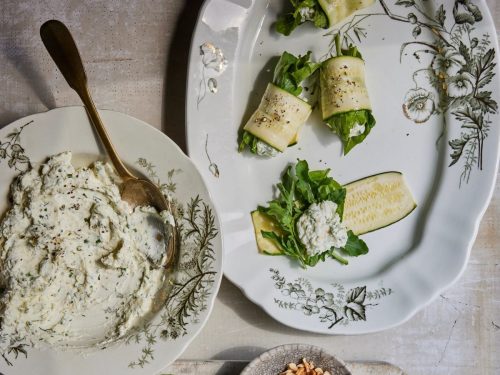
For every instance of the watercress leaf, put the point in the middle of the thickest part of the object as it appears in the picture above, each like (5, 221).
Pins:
(290, 21)
(355, 246)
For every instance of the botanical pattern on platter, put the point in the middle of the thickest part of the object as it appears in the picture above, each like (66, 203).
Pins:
(12, 151)
(212, 167)
(195, 272)
(457, 66)
(213, 61)
(334, 306)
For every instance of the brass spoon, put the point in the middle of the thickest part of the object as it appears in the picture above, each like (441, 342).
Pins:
(135, 191)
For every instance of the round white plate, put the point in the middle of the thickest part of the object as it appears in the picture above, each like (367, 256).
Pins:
(445, 143)
(148, 151)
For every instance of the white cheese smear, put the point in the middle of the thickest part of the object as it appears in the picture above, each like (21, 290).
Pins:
(79, 267)
(319, 228)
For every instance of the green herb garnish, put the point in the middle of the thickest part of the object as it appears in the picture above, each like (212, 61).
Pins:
(289, 21)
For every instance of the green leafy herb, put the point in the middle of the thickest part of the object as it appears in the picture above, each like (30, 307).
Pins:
(303, 11)
(298, 189)
(291, 71)
(342, 124)
(248, 140)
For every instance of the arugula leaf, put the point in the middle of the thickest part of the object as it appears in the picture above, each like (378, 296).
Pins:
(298, 189)
(290, 21)
(342, 124)
(291, 71)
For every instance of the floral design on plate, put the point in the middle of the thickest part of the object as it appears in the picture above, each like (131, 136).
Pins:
(213, 61)
(194, 274)
(454, 80)
(332, 307)
(12, 151)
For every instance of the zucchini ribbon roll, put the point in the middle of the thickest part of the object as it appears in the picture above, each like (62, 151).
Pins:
(323, 13)
(276, 123)
(345, 103)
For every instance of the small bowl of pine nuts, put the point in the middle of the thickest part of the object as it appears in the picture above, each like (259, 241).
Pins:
(296, 359)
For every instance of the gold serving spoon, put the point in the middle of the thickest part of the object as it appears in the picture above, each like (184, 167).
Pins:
(135, 191)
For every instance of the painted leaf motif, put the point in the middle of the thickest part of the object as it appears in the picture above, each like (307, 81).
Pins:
(484, 68)
(22, 158)
(16, 148)
(406, 3)
(3, 153)
(416, 31)
(354, 308)
(457, 145)
(441, 15)
(484, 101)
(356, 295)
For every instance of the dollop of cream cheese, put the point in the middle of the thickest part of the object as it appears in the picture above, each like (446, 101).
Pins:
(307, 14)
(356, 130)
(319, 228)
(263, 149)
(79, 267)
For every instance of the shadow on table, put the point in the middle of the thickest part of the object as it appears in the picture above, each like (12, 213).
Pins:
(174, 95)
(254, 315)
(231, 368)
(16, 60)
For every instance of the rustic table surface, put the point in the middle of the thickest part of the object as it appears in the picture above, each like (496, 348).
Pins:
(136, 57)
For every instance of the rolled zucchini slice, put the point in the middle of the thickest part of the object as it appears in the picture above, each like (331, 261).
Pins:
(343, 86)
(278, 118)
(277, 121)
(322, 13)
(337, 10)
(345, 103)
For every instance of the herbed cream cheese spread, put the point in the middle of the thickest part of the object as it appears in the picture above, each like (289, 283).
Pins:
(79, 267)
(319, 228)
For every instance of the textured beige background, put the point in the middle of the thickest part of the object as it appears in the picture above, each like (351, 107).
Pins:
(136, 58)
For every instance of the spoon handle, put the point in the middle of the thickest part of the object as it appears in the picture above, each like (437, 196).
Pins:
(62, 48)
